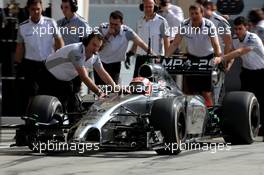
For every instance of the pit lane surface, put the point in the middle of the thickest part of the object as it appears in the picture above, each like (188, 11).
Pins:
(242, 159)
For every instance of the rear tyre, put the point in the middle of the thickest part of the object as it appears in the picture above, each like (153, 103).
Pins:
(168, 116)
(241, 117)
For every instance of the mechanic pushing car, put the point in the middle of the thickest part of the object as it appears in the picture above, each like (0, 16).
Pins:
(76, 28)
(69, 62)
(220, 23)
(250, 49)
(256, 18)
(172, 13)
(202, 42)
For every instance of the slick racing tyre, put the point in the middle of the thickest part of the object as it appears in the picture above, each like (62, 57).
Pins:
(241, 117)
(44, 107)
(168, 116)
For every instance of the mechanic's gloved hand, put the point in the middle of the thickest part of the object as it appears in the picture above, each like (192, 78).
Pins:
(18, 69)
(127, 62)
(158, 60)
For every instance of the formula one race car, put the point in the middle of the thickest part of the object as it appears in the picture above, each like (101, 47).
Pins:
(154, 115)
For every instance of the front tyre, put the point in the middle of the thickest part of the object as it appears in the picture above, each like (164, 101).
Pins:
(44, 107)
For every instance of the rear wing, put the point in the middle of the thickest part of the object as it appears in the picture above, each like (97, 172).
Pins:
(183, 64)
(179, 64)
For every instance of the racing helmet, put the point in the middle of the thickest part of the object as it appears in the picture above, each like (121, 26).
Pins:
(140, 85)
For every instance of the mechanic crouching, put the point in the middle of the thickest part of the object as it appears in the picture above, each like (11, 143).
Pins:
(69, 62)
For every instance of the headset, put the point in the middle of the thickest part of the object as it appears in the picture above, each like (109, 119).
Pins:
(86, 40)
(156, 7)
(73, 4)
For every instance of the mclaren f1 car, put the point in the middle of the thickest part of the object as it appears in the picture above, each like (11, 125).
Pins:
(155, 114)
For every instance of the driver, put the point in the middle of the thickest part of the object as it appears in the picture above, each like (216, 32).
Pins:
(141, 85)
(202, 42)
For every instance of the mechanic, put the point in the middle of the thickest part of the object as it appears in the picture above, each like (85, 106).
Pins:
(34, 45)
(117, 37)
(73, 28)
(222, 25)
(73, 60)
(256, 17)
(173, 14)
(202, 42)
(214, 8)
(77, 27)
(248, 46)
(153, 29)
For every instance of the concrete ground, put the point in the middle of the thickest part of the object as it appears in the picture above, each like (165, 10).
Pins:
(241, 159)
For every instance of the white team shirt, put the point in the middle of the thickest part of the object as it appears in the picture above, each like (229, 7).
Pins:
(74, 29)
(223, 28)
(259, 29)
(198, 41)
(38, 38)
(155, 29)
(115, 47)
(62, 63)
(254, 59)
(174, 15)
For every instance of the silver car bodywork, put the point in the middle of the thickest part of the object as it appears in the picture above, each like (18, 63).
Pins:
(126, 108)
